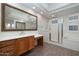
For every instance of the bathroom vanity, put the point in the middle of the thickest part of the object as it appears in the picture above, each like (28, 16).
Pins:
(19, 46)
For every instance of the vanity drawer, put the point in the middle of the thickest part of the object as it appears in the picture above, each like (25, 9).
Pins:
(6, 43)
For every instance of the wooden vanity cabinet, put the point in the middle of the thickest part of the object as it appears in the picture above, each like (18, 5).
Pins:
(24, 44)
(18, 46)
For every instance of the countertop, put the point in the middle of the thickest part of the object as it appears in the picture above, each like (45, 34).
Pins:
(18, 36)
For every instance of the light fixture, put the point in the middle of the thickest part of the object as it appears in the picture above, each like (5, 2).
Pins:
(34, 7)
(41, 12)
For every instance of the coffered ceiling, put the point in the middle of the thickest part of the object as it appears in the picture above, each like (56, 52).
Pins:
(52, 9)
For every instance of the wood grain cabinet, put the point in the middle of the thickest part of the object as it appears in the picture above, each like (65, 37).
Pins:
(16, 47)
(31, 42)
(20, 48)
(39, 41)
(7, 47)
(24, 44)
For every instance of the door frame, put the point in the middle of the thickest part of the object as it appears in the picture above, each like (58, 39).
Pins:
(60, 40)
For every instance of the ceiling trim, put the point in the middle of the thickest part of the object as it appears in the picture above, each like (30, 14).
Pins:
(63, 8)
(39, 5)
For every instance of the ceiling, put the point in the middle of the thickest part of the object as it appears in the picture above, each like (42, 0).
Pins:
(52, 9)
(52, 6)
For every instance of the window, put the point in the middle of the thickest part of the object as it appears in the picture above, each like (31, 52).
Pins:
(73, 27)
(73, 18)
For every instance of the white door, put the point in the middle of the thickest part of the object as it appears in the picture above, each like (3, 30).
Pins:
(54, 31)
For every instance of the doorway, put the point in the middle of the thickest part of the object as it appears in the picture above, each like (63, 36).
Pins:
(56, 30)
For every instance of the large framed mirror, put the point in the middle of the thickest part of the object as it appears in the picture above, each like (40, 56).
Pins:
(14, 19)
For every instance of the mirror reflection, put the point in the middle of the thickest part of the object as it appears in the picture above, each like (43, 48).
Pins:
(18, 19)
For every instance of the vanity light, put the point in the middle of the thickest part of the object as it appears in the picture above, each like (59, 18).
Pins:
(34, 7)
(41, 12)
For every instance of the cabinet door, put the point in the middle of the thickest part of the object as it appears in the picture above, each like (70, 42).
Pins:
(26, 44)
(39, 40)
(31, 42)
(20, 46)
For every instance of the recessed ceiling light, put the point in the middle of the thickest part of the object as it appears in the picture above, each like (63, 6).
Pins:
(34, 7)
(41, 12)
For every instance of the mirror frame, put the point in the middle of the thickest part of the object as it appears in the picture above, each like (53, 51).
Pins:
(3, 5)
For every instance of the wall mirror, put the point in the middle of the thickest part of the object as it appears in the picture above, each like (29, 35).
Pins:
(14, 19)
